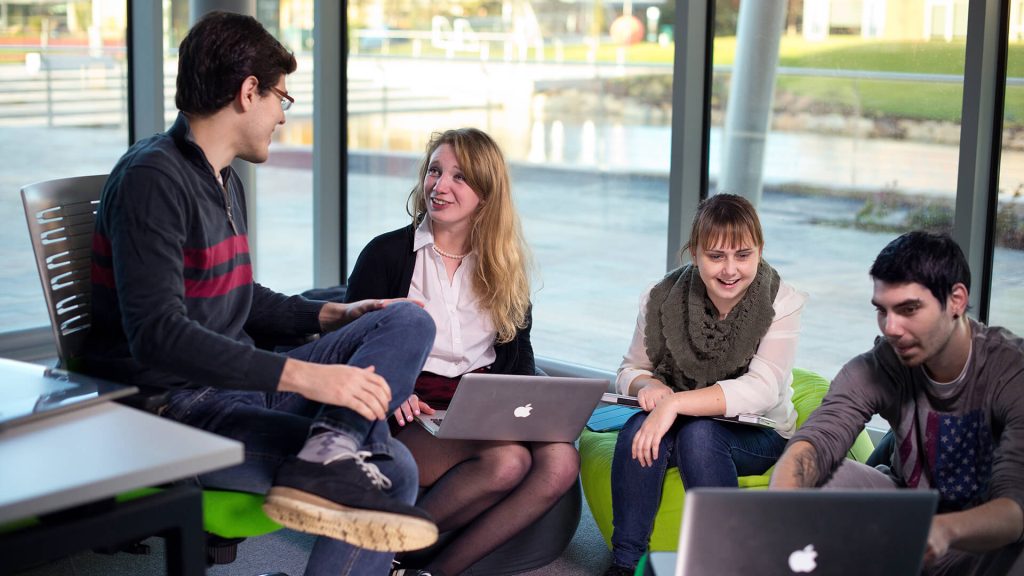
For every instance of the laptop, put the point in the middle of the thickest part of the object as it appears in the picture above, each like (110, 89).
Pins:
(29, 392)
(509, 407)
(736, 532)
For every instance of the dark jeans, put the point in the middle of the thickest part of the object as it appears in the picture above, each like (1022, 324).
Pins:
(707, 452)
(274, 426)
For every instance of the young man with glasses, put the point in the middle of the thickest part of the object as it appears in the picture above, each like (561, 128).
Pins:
(175, 309)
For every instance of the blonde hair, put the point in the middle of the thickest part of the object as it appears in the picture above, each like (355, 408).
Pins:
(724, 219)
(501, 278)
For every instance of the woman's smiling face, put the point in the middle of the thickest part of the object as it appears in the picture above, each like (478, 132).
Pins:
(449, 198)
(727, 271)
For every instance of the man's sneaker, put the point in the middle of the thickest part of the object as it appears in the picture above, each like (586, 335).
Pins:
(344, 499)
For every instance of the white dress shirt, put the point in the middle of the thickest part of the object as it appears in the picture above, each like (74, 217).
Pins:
(765, 387)
(465, 333)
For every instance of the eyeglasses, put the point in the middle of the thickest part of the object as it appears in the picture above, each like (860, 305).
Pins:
(286, 100)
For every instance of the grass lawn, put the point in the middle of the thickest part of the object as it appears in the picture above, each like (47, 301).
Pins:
(903, 99)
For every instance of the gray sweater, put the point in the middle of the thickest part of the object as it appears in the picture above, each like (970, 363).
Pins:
(964, 439)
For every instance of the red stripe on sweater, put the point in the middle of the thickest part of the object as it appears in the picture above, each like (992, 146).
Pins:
(103, 276)
(238, 276)
(206, 258)
(100, 244)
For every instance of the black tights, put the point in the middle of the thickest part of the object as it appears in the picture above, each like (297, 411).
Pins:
(491, 490)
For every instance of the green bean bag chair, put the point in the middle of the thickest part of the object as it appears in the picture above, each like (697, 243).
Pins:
(597, 449)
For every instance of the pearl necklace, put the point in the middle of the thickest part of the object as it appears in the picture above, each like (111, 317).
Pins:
(448, 254)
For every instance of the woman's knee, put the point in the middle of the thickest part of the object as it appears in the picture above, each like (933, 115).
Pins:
(560, 466)
(699, 434)
(506, 465)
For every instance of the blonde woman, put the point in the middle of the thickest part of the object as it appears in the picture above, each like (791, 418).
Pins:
(464, 257)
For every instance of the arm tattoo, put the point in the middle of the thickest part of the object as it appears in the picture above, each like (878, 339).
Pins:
(806, 469)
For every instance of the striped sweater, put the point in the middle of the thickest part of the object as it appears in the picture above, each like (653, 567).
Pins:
(174, 302)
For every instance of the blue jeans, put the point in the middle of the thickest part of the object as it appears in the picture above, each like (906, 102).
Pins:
(707, 452)
(274, 426)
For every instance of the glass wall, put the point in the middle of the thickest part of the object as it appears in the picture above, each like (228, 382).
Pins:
(578, 96)
(858, 141)
(63, 90)
(1008, 261)
(280, 191)
(845, 128)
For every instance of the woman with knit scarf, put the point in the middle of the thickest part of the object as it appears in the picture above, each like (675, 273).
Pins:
(716, 337)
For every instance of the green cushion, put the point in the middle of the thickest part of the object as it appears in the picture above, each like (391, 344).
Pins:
(235, 514)
(597, 449)
(226, 514)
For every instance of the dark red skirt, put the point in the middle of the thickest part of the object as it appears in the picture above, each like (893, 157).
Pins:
(437, 390)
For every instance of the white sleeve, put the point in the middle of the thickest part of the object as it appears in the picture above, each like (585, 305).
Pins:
(761, 388)
(635, 362)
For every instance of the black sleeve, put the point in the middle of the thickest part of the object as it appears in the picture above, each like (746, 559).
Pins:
(516, 357)
(381, 268)
(278, 316)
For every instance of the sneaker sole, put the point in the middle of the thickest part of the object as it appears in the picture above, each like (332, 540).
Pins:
(370, 529)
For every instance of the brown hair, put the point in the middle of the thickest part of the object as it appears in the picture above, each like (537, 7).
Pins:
(724, 219)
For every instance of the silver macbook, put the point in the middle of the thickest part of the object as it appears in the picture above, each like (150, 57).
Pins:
(30, 391)
(517, 408)
(736, 532)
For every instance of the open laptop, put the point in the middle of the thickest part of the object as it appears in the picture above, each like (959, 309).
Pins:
(736, 532)
(30, 391)
(519, 408)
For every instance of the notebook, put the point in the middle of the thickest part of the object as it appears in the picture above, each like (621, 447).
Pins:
(736, 532)
(610, 418)
(511, 407)
(29, 392)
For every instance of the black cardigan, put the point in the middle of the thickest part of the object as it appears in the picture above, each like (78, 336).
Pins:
(384, 270)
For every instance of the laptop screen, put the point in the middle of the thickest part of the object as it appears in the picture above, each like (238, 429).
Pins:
(30, 391)
(735, 532)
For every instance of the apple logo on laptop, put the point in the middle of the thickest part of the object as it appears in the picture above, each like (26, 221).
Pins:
(523, 411)
(803, 560)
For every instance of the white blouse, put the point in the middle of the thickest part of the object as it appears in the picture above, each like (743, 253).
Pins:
(465, 333)
(765, 387)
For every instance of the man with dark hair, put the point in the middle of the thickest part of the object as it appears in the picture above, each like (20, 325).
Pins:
(951, 388)
(176, 310)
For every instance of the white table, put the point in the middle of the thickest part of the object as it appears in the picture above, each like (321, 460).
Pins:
(79, 460)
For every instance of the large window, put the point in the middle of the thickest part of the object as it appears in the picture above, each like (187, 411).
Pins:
(63, 89)
(579, 99)
(280, 191)
(845, 127)
(1008, 261)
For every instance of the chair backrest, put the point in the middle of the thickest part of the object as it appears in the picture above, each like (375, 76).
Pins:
(60, 215)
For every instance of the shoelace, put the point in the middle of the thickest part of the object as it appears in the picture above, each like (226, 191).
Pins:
(372, 472)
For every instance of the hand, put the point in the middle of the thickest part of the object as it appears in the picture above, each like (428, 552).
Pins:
(411, 408)
(653, 391)
(939, 538)
(334, 315)
(361, 389)
(648, 437)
